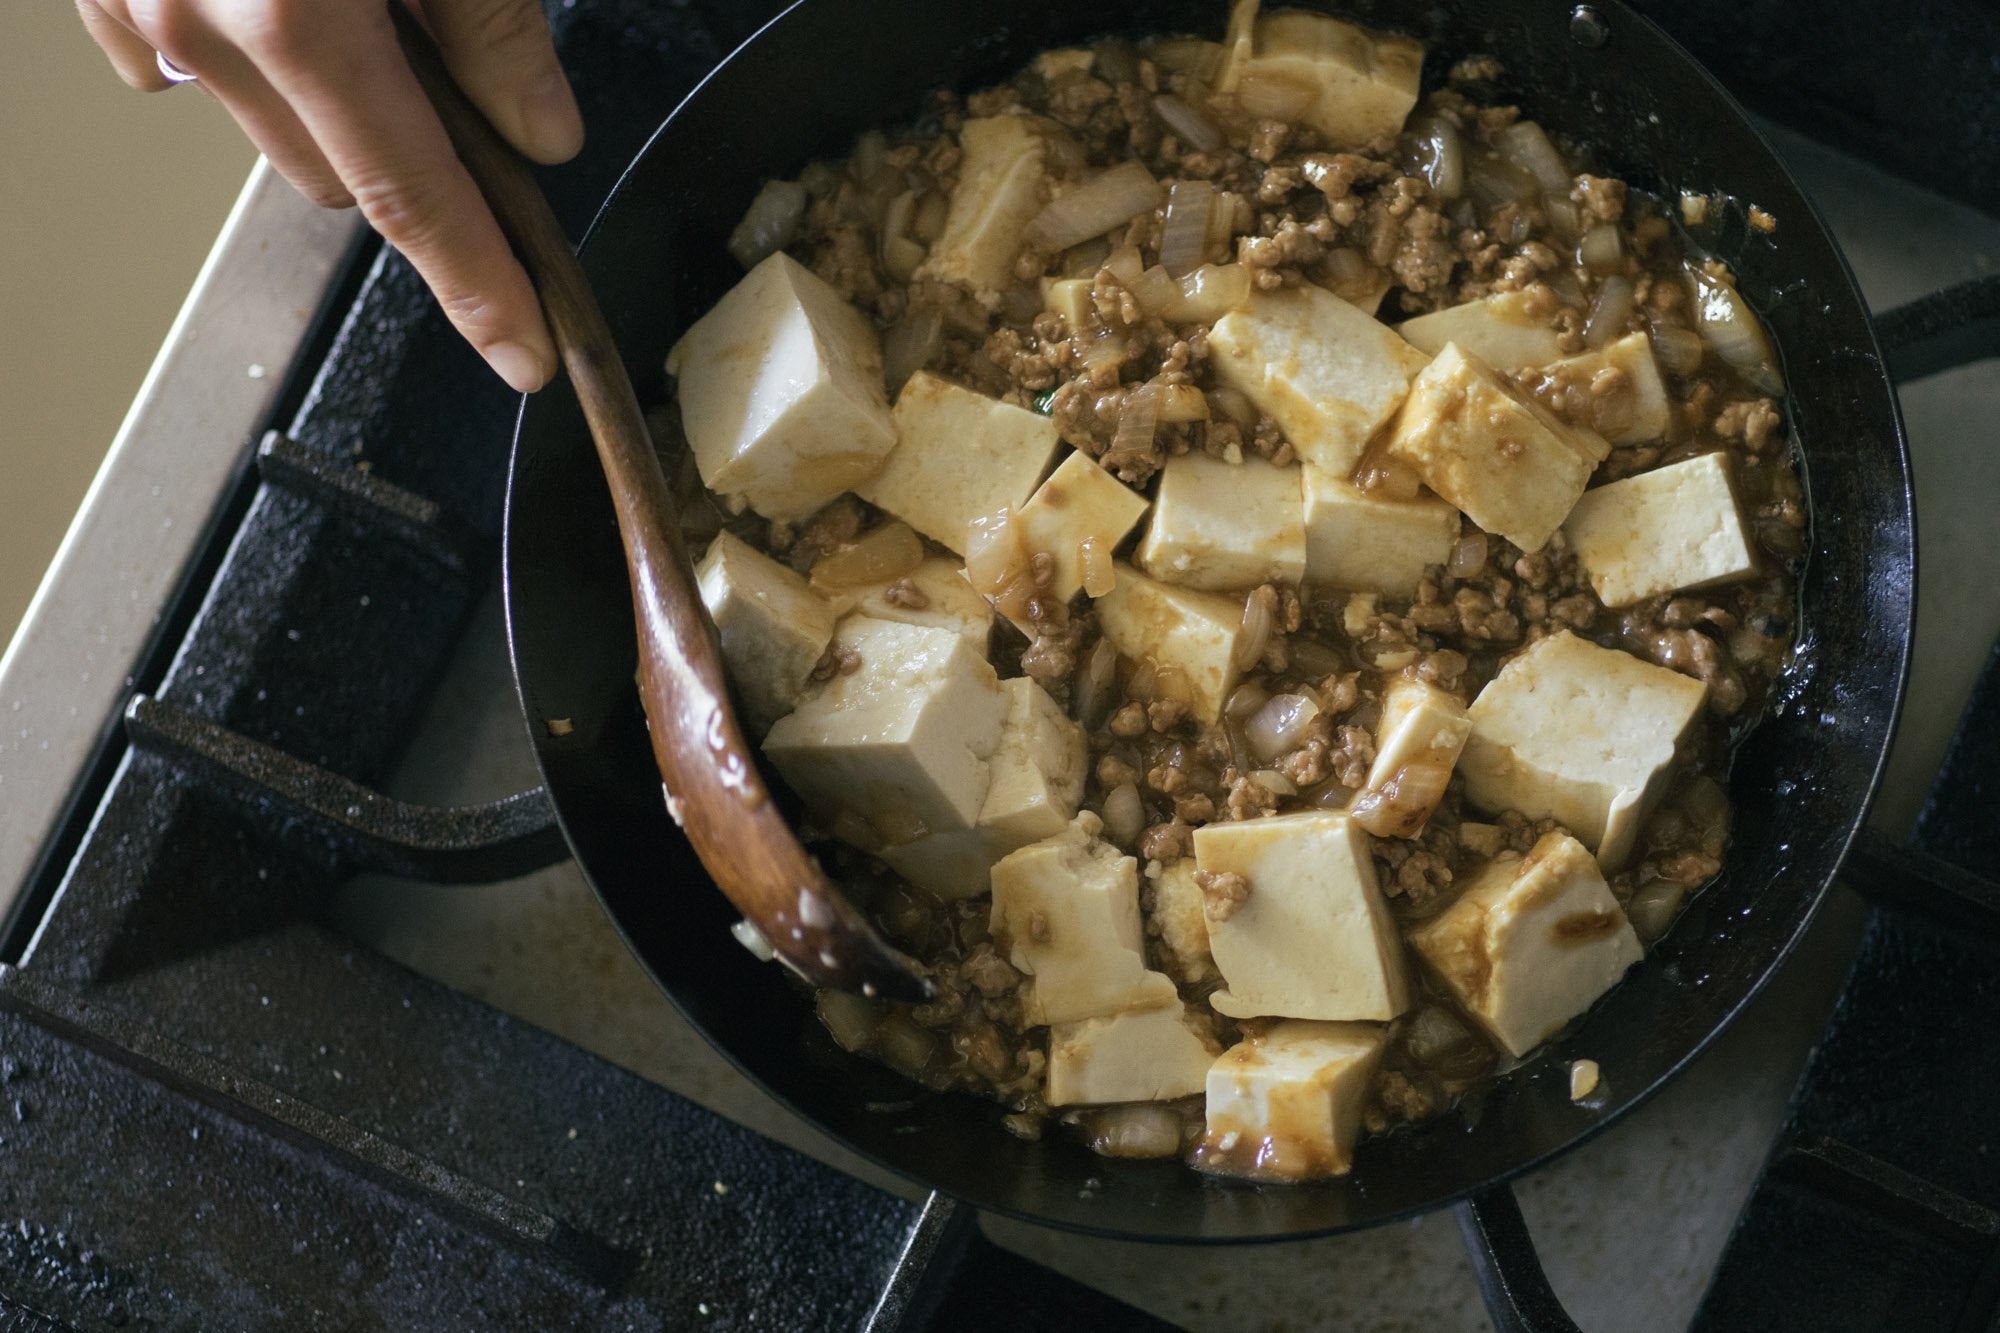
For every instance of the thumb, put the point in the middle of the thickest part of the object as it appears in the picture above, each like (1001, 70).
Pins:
(501, 53)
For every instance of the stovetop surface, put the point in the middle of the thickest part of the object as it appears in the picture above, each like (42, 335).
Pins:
(217, 940)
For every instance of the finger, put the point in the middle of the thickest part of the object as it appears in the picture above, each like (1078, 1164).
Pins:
(276, 130)
(348, 81)
(129, 53)
(501, 53)
(227, 75)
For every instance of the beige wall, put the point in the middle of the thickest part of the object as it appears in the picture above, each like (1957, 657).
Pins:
(108, 202)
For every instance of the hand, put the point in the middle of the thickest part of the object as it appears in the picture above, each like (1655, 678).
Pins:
(323, 90)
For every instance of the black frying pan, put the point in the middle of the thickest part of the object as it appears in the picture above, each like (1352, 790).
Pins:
(802, 88)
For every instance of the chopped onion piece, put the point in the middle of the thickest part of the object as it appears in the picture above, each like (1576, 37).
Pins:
(910, 345)
(877, 556)
(1492, 180)
(901, 256)
(1310, 657)
(1679, 349)
(1280, 725)
(1524, 144)
(1347, 274)
(1090, 693)
(1099, 574)
(1083, 261)
(1653, 907)
(1601, 251)
(1137, 420)
(903, 1046)
(1209, 293)
(1126, 264)
(1271, 780)
(849, 1018)
(1438, 154)
(1182, 402)
(1109, 199)
(1132, 1129)
(1184, 235)
(1386, 476)
(1734, 331)
(770, 223)
(927, 222)
(1124, 815)
(1468, 556)
(1564, 219)
(992, 551)
(1563, 283)
(1235, 405)
(1103, 353)
(1194, 128)
(1434, 1032)
(1254, 635)
(1246, 699)
(1155, 290)
(1609, 312)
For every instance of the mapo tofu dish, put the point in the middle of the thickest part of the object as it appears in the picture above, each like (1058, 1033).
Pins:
(1253, 562)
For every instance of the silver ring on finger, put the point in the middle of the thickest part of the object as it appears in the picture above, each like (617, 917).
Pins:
(171, 72)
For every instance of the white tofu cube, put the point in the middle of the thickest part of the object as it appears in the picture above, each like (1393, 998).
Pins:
(1225, 526)
(1189, 636)
(1507, 330)
(903, 740)
(1079, 503)
(959, 456)
(1314, 938)
(772, 626)
(1531, 943)
(1632, 356)
(1285, 1103)
(1507, 462)
(1352, 84)
(1418, 741)
(1141, 1055)
(1327, 372)
(1178, 918)
(1658, 532)
(1035, 781)
(1002, 184)
(780, 389)
(1066, 910)
(949, 602)
(1038, 770)
(1580, 734)
(954, 864)
(1362, 541)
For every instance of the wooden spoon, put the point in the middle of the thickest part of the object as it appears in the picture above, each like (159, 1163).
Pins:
(714, 790)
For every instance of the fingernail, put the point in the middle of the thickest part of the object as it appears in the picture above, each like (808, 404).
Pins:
(514, 363)
(550, 119)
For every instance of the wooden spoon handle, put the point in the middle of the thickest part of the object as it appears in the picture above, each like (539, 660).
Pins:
(714, 790)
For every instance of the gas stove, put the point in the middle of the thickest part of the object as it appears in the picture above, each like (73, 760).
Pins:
(306, 1019)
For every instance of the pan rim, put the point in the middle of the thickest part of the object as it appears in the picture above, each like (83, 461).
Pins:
(1813, 901)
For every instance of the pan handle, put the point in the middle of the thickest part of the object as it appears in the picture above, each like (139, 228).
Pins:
(361, 828)
(1951, 327)
(1518, 1296)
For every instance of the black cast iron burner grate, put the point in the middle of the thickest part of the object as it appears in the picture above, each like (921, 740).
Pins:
(215, 1112)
